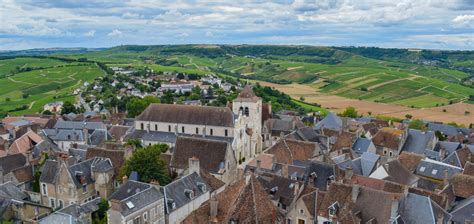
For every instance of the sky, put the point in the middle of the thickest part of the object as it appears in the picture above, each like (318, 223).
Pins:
(433, 24)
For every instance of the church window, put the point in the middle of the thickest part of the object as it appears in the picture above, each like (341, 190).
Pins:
(226, 133)
(182, 129)
(197, 130)
(142, 126)
(169, 128)
(246, 111)
(211, 131)
(156, 127)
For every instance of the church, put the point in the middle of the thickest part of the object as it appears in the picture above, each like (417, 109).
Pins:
(240, 126)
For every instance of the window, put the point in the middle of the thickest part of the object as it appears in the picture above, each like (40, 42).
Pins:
(197, 130)
(211, 131)
(156, 127)
(182, 129)
(246, 111)
(390, 153)
(169, 128)
(142, 127)
(61, 203)
(385, 152)
(422, 169)
(301, 221)
(226, 133)
(52, 203)
(136, 220)
(301, 211)
(44, 189)
(434, 172)
(145, 216)
(153, 213)
(84, 189)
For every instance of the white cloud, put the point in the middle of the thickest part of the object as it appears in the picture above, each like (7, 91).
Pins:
(115, 33)
(209, 34)
(464, 20)
(89, 33)
(129, 15)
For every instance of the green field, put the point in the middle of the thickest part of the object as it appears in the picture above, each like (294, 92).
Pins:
(42, 86)
(373, 74)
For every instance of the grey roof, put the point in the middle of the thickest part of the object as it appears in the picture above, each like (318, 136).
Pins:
(421, 209)
(76, 210)
(331, 121)
(368, 163)
(453, 159)
(78, 171)
(448, 146)
(175, 192)
(323, 171)
(11, 162)
(79, 125)
(10, 191)
(435, 169)
(139, 194)
(418, 141)
(49, 171)
(79, 154)
(98, 136)
(20, 123)
(59, 218)
(354, 164)
(168, 137)
(444, 129)
(362, 145)
(463, 211)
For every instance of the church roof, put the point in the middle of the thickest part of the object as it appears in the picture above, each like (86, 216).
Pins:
(247, 94)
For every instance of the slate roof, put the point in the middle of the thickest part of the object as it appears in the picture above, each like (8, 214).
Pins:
(444, 129)
(418, 141)
(59, 218)
(175, 192)
(435, 169)
(23, 174)
(362, 145)
(115, 156)
(421, 209)
(331, 121)
(280, 189)
(188, 114)
(211, 153)
(396, 172)
(323, 171)
(10, 191)
(469, 169)
(375, 204)
(49, 171)
(306, 134)
(276, 126)
(79, 125)
(463, 212)
(12, 162)
(138, 193)
(368, 162)
(450, 147)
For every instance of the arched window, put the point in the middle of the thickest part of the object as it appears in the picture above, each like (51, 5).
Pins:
(142, 126)
(182, 129)
(197, 130)
(212, 132)
(226, 133)
(246, 111)
(241, 110)
(156, 127)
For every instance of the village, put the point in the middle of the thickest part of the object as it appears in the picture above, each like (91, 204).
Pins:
(240, 162)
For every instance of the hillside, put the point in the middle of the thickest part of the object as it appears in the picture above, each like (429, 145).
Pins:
(412, 78)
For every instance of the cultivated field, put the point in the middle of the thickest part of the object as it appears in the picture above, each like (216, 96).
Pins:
(454, 112)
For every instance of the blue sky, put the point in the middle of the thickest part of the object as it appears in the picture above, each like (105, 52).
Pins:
(438, 24)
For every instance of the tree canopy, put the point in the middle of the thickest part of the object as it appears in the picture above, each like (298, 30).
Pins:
(350, 112)
(136, 106)
(147, 163)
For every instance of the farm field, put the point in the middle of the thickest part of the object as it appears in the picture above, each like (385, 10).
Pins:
(9, 65)
(27, 92)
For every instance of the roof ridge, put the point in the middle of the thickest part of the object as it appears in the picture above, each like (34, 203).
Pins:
(287, 147)
(254, 200)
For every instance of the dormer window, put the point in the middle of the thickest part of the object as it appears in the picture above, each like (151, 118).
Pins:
(173, 205)
(422, 169)
(333, 209)
(189, 193)
(434, 172)
(202, 186)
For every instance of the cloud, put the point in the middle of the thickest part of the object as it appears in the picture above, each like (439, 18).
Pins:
(464, 20)
(209, 34)
(115, 33)
(89, 33)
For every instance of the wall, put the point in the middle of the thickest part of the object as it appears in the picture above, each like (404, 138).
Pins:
(181, 213)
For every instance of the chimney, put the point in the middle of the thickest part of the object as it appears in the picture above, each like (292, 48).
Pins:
(194, 165)
(259, 163)
(124, 179)
(405, 191)
(355, 192)
(348, 174)
(296, 187)
(442, 152)
(86, 135)
(445, 177)
(386, 166)
(214, 206)
(394, 209)
(115, 205)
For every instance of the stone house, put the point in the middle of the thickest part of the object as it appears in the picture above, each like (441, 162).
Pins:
(136, 202)
(62, 184)
(16, 170)
(389, 142)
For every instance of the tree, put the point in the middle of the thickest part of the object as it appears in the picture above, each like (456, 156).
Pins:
(408, 116)
(168, 97)
(302, 98)
(47, 112)
(350, 112)
(440, 136)
(136, 105)
(147, 163)
(417, 124)
(7, 99)
(68, 107)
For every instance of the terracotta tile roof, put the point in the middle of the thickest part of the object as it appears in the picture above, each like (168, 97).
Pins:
(25, 143)
(378, 184)
(375, 204)
(469, 169)
(288, 150)
(344, 141)
(371, 127)
(464, 155)
(35, 120)
(340, 193)
(117, 131)
(410, 160)
(388, 137)
(242, 202)
(266, 161)
(462, 185)
(211, 153)
(188, 114)
(213, 182)
(115, 156)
